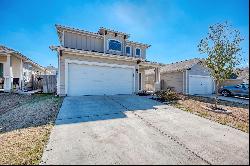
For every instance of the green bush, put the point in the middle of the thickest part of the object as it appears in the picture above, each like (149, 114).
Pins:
(167, 95)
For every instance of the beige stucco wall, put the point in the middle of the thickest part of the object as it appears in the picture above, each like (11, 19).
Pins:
(174, 80)
(16, 64)
(3, 58)
(89, 59)
(149, 82)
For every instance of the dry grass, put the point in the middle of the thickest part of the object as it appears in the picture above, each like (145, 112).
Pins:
(25, 128)
(239, 118)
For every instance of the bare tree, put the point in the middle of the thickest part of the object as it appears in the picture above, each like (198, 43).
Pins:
(222, 46)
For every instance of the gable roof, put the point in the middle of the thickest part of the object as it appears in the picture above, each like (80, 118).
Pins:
(177, 66)
(99, 34)
(6, 50)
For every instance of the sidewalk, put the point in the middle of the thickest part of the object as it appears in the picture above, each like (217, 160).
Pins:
(233, 99)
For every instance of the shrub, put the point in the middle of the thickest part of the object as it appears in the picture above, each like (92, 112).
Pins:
(143, 93)
(167, 95)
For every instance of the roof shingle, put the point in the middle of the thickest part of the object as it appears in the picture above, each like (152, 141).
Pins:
(177, 66)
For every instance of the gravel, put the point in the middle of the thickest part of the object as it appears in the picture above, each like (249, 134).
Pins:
(25, 125)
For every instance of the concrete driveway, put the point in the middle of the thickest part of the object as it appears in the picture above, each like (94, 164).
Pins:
(127, 129)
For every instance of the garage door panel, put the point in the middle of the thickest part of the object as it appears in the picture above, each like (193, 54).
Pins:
(200, 84)
(99, 80)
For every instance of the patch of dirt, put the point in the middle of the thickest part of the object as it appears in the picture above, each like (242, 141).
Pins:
(25, 128)
(239, 118)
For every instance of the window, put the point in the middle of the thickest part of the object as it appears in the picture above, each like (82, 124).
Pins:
(128, 50)
(1, 69)
(138, 52)
(114, 45)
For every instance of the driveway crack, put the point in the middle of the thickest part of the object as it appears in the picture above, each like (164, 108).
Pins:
(163, 133)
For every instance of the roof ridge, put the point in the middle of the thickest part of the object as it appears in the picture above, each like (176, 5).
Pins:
(76, 29)
(185, 60)
(112, 30)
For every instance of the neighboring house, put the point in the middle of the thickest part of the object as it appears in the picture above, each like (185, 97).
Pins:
(100, 63)
(243, 73)
(16, 70)
(51, 70)
(239, 76)
(188, 77)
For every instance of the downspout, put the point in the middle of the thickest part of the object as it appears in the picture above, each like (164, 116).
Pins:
(104, 42)
(59, 72)
(187, 82)
(184, 82)
(137, 74)
(21, 75)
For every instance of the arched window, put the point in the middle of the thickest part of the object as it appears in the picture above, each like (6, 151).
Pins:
(114, 45)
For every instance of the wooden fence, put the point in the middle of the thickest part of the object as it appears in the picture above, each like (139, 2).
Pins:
(229, 82)
(48, 83)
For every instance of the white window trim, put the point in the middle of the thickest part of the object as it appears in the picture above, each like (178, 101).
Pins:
(111, 49)
(68, 61)
(135, 52)
(130, 50)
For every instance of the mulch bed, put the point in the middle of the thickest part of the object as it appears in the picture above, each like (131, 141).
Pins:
(238, 118)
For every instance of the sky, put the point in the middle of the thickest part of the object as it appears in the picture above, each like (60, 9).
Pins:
(173, 28)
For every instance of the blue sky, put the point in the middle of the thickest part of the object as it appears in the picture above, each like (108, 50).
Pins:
(172, 27)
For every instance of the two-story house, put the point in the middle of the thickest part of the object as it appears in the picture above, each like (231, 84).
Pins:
(100, 63)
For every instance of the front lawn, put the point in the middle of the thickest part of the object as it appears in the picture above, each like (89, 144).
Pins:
(239, 118)
(25, 125)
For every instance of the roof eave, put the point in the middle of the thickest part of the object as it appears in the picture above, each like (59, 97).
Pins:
(95, 54)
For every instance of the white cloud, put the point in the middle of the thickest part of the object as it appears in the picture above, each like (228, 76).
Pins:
(130, 17)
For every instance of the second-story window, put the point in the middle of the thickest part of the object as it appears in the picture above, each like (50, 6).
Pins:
(128, 50)
(138, 52)
(115, 45)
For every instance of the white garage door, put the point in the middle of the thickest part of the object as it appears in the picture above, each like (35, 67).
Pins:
(99, 80)
(200, 84)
